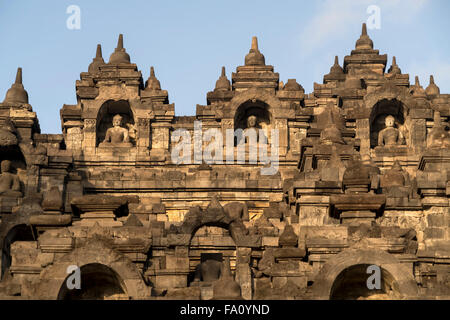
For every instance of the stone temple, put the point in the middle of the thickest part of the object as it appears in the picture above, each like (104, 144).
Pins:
(363, 182)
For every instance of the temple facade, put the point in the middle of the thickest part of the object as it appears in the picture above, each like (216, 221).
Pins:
(356, 208)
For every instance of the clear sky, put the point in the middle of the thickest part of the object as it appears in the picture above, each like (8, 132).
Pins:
(188, 41)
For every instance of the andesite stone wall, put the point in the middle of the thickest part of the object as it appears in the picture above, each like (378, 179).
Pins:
(362, 179)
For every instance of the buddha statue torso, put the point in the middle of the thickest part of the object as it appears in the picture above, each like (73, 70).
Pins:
(390, 136)
(117, 135)
(252, 129)
(208, 271)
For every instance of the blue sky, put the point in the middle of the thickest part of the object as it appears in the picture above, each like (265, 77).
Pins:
(188, 41)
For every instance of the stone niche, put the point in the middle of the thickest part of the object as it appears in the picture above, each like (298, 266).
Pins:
(12, 177)
(253, 114)
(380, 112)
(209, 268)
(15, 156)
(105, 117)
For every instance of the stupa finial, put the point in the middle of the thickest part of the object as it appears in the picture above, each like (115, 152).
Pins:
(19, 76)
(120, 42)
(364, 29)
(255, 43)
(98, 53)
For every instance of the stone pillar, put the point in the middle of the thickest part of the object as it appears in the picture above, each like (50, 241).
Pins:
(227, 124)
(418, 129)
(282, 127)
(363, 133)
(243, 272)
(160, 136)
(297, 132)
(32, 184)
(143, 131)
(89, 135)
(74, 137)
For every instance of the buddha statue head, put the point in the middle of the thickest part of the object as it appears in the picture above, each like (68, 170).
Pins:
(6, 166)
(251, 121)
(117, 120)
(389, 121)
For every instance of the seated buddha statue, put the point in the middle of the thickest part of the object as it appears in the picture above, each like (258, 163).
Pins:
(116, 136)
(252, 125)
(208, 271)
(9, 182)
(390, 135)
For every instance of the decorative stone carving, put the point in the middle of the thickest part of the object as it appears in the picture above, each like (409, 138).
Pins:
(331, 123)
(438, 138)
(237, 211)
(52, 201)
(288, 238)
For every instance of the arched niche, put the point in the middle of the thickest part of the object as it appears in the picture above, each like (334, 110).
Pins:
(205, 257)
(98, 282)
(351, 284)
(119, 272)
(338, 271)
(20, 232)
(15, 155)
(256, 108)
(18, 163)
(262, 118)
(105, 118)
(380, 111)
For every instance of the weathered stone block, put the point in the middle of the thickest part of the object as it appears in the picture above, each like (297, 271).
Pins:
(434, 233)
(270, 241)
